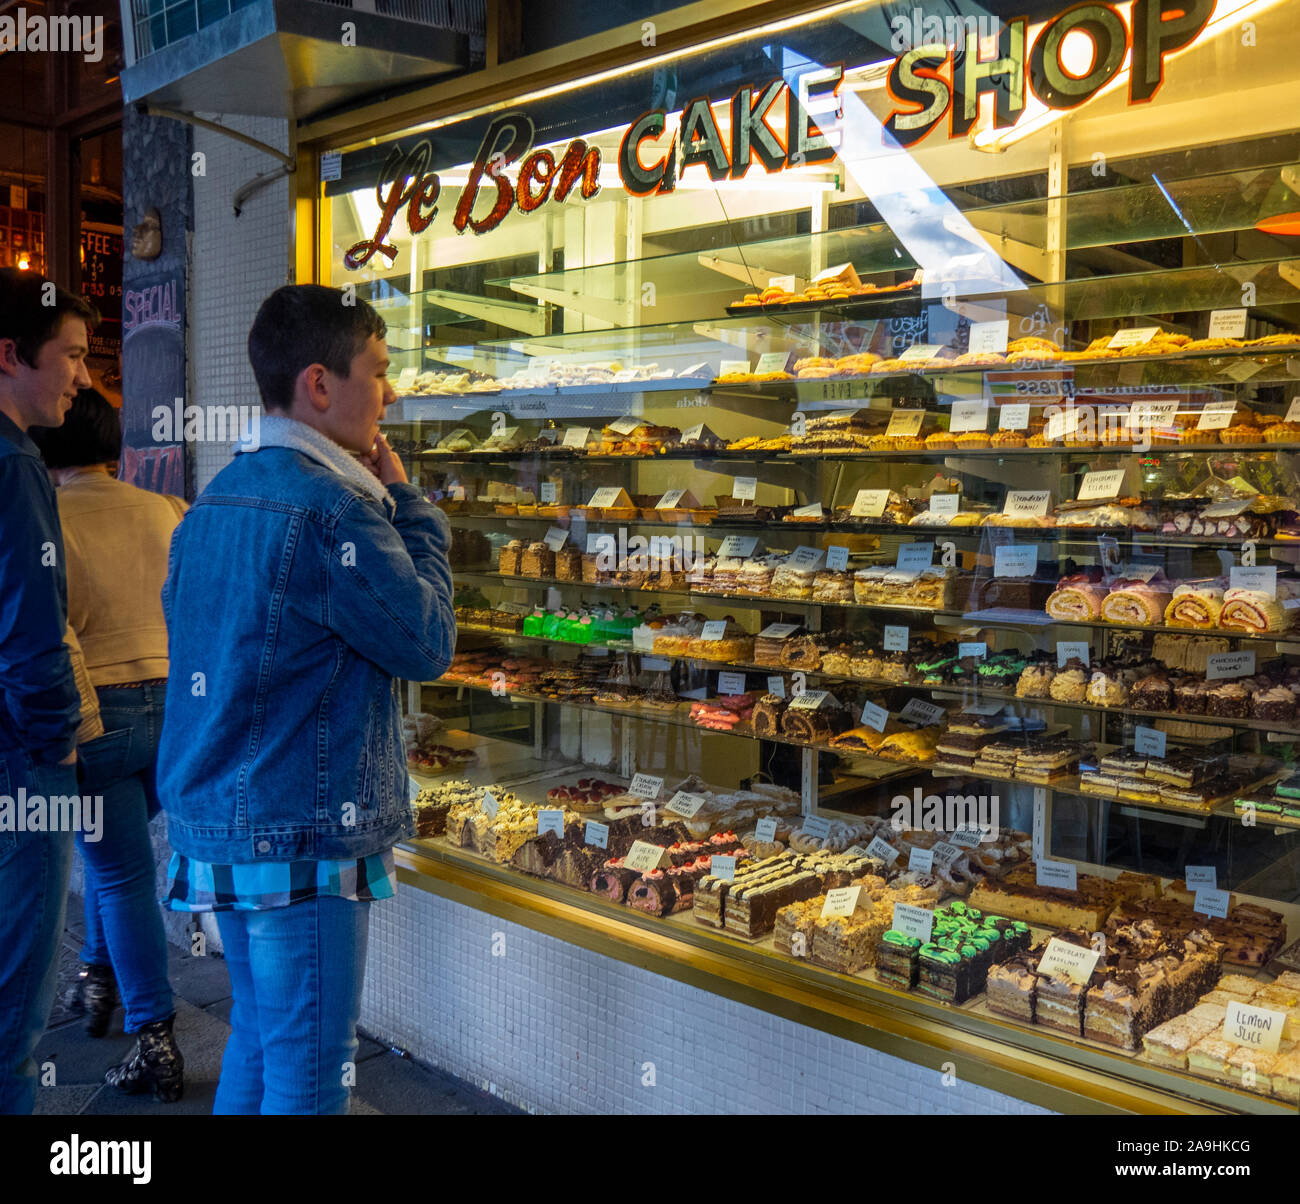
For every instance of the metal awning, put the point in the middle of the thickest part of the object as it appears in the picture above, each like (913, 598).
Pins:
(288, 58)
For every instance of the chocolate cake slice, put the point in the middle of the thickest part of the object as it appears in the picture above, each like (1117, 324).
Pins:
(1012, 989)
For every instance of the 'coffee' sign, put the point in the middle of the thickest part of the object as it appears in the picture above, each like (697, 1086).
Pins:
(1159, 28)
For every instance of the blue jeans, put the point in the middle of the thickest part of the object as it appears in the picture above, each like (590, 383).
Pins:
(33, 901)
(124, 926)
(295, 976)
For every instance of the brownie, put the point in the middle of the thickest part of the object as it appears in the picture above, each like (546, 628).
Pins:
(1229, 700)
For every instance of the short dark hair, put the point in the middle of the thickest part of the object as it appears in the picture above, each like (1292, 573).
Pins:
(26, 317)
(90, 434)
(303, 324)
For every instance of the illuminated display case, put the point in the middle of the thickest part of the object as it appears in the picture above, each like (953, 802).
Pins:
(872, 465)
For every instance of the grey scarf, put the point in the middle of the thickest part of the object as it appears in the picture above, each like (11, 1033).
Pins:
(278, 431)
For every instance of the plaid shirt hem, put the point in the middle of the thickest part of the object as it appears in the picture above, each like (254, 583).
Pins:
(205, 886)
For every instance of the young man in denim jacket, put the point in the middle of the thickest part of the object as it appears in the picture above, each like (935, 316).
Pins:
(305, 580)
(44, 340)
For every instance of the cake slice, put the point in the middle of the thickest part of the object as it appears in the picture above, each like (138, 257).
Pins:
(944, 973)
(797, 920)
(1209, 1058)
(1284, 1076)
(1011, 989)
(1168, 1044)
(896, 959)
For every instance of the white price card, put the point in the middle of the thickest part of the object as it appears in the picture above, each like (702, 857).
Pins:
(870, 503)
(1227, 324)
(1063, 875)
(975, 648)
(1039, 845)
(1206, 876)
(624, 426)
(968, 838)
(1227, 509)
(945, 854)
(1133, 338)
(669, 499)
(774, 361)
(896, 639)
(969, 416)
(1293, 410)
(837, 558)
(602, 544)
(331, 166)
(815, 827)
(1219, 665)
(1013, 417)
(555, 538)
(596, 834)
(575, 436)
(731, 367)
(1151, 415)
(1254, 1027)
(694, 432)
(776, 685)
(809, 700)
(714, 629)
(1064, 960)
(903, 423)
(804, 557)
(989, 336)
(765, 829)
(813, 510)
(1240, 370)
(1149, 741)
(1062, 422)
(842, 901)
(645, 785)
(778, 631)
(1216, 415)
(945, 504)
(1104, 483)
(1015, 560)
(737, 547)
(488, 804)
(643, 639)
(1259, 578)
(921, 351)
(548, 491)
(406, 378)
(684, 804)
(921, 861)
(744, 488)
(874, 716)
(603, 498)
(915, 556)
(918, 710)
(731, 683)
(913, 921)
(723, 866)
(1027, 503)
(412, 789)
(1211, 902)
(550, 821)
(644, 857)
(882, 850)
(1068, 650)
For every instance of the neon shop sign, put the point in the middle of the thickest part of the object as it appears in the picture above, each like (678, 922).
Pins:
(1160, 27)
(405, 182)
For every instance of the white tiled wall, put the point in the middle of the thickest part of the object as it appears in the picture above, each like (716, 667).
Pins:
(554, 1028)
(236, 262)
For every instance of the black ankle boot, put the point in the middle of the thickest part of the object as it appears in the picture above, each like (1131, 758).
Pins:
(93, 995)
(156, 1064)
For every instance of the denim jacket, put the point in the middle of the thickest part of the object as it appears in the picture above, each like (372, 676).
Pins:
(39, 704)
(294, 598)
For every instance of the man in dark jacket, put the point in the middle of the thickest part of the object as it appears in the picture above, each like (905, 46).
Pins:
(44, 340)
(305, 580)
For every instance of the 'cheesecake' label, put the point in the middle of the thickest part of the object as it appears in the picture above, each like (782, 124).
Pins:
(913, 921)
(1063, 960)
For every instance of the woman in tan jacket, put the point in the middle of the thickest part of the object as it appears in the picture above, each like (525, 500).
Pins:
(117, 539)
